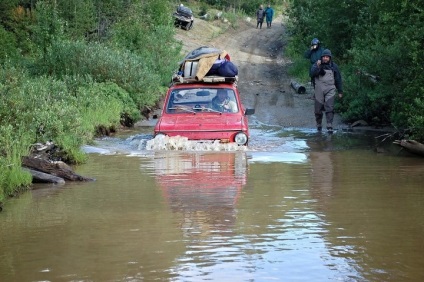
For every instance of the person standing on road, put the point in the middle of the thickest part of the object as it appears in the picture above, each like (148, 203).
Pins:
(260, 14)
(269, 13)
(327, 79)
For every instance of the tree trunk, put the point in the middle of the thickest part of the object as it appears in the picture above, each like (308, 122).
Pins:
(58, 169)
(41, 177)
(412, 146)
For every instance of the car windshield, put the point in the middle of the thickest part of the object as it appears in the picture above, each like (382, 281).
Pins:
(221, 100)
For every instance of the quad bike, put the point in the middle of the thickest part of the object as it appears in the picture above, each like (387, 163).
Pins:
(183, 18)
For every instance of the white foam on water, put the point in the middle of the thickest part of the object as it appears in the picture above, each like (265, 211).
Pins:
(180, 143)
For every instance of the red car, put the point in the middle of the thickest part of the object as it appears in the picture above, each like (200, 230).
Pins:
(205, 111)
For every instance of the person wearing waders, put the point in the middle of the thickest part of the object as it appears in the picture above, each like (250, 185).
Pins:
(328, 82)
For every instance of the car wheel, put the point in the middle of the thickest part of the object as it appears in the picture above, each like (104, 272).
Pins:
(188, 26)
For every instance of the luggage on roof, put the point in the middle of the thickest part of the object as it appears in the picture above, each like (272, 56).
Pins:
(207, 61)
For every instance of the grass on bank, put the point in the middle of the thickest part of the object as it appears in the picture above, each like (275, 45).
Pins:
(40, 109)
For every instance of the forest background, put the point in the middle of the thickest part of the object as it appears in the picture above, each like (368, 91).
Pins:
(72, 69)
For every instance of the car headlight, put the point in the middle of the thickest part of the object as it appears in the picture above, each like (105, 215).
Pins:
(241, 138)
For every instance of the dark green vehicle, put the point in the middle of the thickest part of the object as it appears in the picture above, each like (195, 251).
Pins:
(183, 17)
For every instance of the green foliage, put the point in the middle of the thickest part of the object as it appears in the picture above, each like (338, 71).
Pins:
(416, 117)
(157, 13)
(48, 27)
(6, 11)
(203, 10)
(251, 6)
(8, 47)
(82, 106)
(14, 142)
(79, 17)
(16, 20)
(232, 19)
(300, 69)
(155, 45)
(248, 6)
(103, 64)
(323, 20)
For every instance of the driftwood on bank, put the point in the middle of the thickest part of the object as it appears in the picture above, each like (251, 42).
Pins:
(41, 177)
(58, 169)
(412, 146)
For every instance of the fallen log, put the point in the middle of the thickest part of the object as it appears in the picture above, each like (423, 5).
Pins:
(300, 89)
(58, 169)
(41, 177)
(412, 146)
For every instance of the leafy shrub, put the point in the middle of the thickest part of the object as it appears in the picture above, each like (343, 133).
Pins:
(232, 18)
(14, 143)
(103, 64)
(203, 10)
(8, 48)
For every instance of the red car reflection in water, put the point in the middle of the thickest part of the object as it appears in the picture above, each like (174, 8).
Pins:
(203, 188)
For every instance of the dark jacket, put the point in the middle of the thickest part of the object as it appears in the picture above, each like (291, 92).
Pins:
(260, 14)
(315, 71)
(314, 55)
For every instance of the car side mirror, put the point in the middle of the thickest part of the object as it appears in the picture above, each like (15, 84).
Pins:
(248, 112)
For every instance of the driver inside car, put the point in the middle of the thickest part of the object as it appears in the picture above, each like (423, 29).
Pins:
(222, 103)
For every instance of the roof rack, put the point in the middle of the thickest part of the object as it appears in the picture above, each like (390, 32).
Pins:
(178, 79)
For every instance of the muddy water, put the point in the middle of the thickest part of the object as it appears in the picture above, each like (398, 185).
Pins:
(297, 206)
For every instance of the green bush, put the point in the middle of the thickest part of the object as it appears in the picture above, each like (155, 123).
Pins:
(8, 47)
(14, 142)
(37, 102)
(203, 9)
(101, 63)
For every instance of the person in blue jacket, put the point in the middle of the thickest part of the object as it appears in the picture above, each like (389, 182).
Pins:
(314, 54)
(315, 51)
(269, 13)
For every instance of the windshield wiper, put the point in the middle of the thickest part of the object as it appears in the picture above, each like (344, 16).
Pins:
(211, 110)
(182, 109)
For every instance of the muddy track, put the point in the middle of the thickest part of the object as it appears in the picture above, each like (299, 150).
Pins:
(263, 80)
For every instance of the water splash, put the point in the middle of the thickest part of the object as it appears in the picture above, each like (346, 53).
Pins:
(180, 143)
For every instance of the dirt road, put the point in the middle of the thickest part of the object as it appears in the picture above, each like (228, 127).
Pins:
(263, 80)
